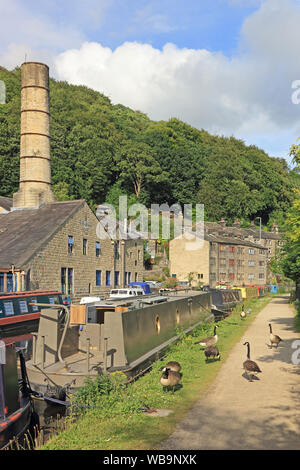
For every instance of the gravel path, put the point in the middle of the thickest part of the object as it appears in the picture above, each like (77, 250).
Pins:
(238, 414)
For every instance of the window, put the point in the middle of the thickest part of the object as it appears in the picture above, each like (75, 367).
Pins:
(251, 276)
(34, 307)
(98, 249)
(251, 251)
(63, 280)
(117, 276)
(261, 263)
(9, 282)
(70, 280)
(98, 278)
(23, 306)
(261, 276)
(135, 277)
(232, 249)
(231, 262)
(107, 278)
(70, 244)
(129, 278)
(1, 282)
(84, 246)
(139, 254)
(251, 263)
(117, 249)
(231, 276)
(8, 308)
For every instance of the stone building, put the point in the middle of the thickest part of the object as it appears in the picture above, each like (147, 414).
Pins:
(271, 240)
(219, 260)
(50, 245)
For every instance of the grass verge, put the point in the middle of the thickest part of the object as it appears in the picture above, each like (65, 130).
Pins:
(120, 423)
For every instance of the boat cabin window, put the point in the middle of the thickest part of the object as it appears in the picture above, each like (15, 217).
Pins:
(8, 308)
(34, 307)
(23, 306)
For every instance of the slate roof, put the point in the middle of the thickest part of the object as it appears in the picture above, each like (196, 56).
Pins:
(6, 203)
(24, 232)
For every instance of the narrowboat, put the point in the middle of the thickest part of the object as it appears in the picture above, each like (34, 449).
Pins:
(126, 335)
(262, 290)
(248, 292)
(118, 294)
(18, 309)
(17, 414)
(224, 299)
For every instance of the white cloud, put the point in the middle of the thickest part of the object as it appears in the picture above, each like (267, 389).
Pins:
(248, 96)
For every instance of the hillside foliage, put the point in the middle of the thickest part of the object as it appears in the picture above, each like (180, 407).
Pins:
(100, 151)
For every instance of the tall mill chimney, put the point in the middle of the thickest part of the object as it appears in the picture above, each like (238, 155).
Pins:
(35, 170)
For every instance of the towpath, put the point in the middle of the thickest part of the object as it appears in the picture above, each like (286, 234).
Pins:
(237, 414)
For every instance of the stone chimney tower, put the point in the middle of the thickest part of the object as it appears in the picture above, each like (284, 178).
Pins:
(35, 171)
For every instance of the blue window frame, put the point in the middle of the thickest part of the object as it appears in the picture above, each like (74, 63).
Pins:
(98, 278)
(98, 249)
(63, 280)
(107, 278)
(70, 280)
(70, 244)
(9, 282)
(1, 282)
(117, 276)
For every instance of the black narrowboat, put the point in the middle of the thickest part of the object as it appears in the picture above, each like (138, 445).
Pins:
(17, 415)
(17, 309)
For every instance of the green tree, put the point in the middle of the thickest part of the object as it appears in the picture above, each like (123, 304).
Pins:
(291, 249)
(137, 166)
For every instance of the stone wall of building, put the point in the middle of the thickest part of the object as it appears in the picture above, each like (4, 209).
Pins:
(187, 264)
(46, 266)
(219, 263)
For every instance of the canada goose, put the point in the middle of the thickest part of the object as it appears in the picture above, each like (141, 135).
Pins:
(169, 378)
(275, 339)
(172, 365)
(249, 366)
(211, 340)
(212, 351)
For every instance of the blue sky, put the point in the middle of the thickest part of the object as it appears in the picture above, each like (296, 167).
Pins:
(223, 65)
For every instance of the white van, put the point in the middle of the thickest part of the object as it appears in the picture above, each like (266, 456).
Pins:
(126, 293)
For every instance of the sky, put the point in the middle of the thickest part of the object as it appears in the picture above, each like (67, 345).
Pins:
(228, 66)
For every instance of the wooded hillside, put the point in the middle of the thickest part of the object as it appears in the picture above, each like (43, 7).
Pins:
(100, 151)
